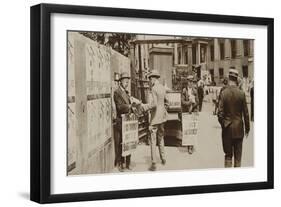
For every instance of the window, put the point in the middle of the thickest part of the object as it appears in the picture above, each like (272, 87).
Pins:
(246, 47)
(221, 73)
(179, 57)
(194, 54)
(202, 53)
(212, 52)
(222, 50)
(245, 71)
(185, 57)
(233, 48)
(198, 72)
(212, 74)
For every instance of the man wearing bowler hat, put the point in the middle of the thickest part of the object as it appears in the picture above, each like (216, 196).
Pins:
(123, 106)
(234, 119)
(157, 106)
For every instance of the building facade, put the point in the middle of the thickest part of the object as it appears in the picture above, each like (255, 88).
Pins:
(207, 58)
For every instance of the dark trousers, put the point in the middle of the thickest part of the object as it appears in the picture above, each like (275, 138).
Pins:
(252, 103)
(200, 104)
(119, 159)
(232, 147)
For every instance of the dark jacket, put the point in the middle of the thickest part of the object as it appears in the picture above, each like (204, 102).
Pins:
(231, 112)
(185, 99)
(122, 102)
(200, 92)
(222, 89)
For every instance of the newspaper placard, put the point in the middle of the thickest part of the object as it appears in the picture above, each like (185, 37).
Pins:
(189, 129)
(129, 133)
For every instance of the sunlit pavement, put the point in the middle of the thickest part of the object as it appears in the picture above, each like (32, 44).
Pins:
(208, 152)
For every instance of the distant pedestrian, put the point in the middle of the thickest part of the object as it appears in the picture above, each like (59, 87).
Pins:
(252, 100)
(215, 98)
(200, 94)
(234, 119)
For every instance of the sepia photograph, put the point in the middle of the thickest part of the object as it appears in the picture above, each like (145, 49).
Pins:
(152, 102)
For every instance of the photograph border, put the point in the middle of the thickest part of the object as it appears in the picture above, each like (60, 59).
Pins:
(40, 102)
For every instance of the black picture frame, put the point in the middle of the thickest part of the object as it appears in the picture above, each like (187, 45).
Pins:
(41, 102)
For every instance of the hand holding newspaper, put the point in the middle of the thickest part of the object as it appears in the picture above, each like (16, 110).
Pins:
(135, 100)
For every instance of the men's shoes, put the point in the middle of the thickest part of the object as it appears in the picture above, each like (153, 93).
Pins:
(190, 150)
(120, 168)
(227, 163)
(163, 161)
(128, 167)
(152, 167)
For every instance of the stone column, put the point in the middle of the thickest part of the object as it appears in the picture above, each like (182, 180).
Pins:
(216, 59)
(198, 54)
(227, 49)
(189, 54)
(136, 61)
(147, 55)
(251, 48)
(175, 53)
(239, 56)
(182, 55)
(142, 56)
(216, 49)
(227, 56)
(133, 70)
(189, 57)
(240, 48)
(208, 53)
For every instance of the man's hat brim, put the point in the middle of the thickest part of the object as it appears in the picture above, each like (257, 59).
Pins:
(153, 75)
(128, 77)
(233, 73)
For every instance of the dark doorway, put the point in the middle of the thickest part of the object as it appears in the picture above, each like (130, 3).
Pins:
(198, 71)
(245, 71)
(212, 74)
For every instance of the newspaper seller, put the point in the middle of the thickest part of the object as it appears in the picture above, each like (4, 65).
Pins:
(123, 106)
(189, 101)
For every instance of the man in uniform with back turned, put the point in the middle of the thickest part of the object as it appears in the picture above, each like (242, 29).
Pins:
(231, 113)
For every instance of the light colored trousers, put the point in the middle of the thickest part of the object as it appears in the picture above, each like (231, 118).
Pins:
(157, 137)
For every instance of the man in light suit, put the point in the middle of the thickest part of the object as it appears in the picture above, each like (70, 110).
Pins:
(157, 107)
(231, 113)
(123, 106)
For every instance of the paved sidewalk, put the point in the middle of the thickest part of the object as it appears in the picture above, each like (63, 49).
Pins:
(208, 152)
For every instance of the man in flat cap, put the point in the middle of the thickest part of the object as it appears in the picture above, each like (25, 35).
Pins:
(157, 106)
(189, 97)
(234, 119)
(190, 103)
(123, 106)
